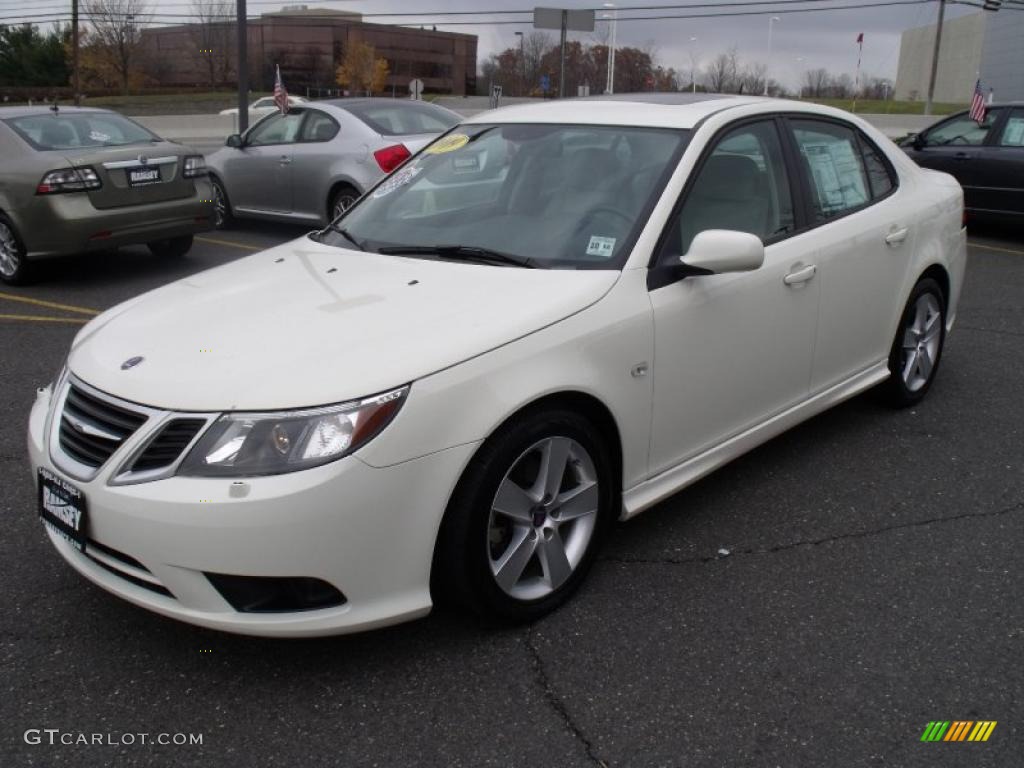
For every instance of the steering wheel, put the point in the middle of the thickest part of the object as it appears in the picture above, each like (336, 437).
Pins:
(607, 209)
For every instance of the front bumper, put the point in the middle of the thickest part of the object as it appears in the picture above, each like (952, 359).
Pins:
(368, 532)
(56, 225)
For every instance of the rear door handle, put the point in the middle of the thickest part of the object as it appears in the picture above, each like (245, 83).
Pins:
(961, 156)
(896, 237)
(801, 275)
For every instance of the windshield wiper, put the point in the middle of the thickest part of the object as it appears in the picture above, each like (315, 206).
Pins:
(460, 253)
(347, 235)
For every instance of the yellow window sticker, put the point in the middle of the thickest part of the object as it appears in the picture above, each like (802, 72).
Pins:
(448, 144)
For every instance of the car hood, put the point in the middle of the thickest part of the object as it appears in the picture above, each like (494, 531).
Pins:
(307, 324)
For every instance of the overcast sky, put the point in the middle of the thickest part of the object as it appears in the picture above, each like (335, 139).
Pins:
(819, 39)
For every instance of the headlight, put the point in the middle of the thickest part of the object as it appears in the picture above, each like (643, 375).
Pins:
(195, 165)
(286, 441)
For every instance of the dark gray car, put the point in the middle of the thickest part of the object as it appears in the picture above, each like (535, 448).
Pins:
(75, 180)
(987, 158)
(312, 163)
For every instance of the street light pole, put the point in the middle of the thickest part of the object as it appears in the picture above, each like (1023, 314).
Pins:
(771, 24)
(76, 84)
(614, 20)
(243, 68)
(693, 67)
(522, 62)
(935, 58)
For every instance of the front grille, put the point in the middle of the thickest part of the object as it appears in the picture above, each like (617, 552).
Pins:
(91, 429)
(164, 449)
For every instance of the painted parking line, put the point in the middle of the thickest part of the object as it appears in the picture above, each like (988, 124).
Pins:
(232, 244)
(44, 319)
(48, 304)
(996, 248)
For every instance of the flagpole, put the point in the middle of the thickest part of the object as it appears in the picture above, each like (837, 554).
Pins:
(856, 81)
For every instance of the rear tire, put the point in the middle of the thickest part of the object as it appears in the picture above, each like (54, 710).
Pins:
(15, 268)
(527, 518)
(173, 248)
(341, 200)
(917, 349)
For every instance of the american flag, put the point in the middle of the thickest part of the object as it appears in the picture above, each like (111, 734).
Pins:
(280, 94)
(978, 104)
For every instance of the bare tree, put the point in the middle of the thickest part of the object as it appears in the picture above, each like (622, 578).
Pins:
(535, 45)
(816, 82)
(116, 34)
(751, 79)
(722, 73)
(213, 39)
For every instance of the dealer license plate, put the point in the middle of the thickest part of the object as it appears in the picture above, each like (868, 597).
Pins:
(62, 508)
(140, 176)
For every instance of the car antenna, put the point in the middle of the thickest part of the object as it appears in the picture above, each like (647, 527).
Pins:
(53, 107)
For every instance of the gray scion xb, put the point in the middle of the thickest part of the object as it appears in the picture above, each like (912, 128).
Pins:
(75, 180)
(309, 165)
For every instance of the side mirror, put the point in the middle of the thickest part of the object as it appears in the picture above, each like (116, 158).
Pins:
(716, 251)
(918, 142)
(234, 140)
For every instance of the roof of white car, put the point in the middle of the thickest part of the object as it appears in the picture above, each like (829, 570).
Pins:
(664, 110)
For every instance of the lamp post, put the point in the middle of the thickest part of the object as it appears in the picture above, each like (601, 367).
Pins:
(613, 17)
(771, 24)
(522, 61)
(799, 60)
(693, 66)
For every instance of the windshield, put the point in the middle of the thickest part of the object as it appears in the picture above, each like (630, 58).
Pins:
(78, 130)
(561, 196)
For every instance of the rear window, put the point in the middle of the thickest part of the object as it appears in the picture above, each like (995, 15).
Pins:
(74, 131)
(403, 117)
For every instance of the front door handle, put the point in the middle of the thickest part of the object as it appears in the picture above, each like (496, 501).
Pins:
(801, 275)
(896, 237)
(285, 159)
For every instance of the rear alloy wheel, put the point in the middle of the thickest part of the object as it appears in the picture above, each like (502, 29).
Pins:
(342, 199)
(15, 269)
(524, 525)
(222, 218)
(173, 248)
(917, 348)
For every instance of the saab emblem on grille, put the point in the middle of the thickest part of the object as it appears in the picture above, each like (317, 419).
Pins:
(131, 362)
(143, 160)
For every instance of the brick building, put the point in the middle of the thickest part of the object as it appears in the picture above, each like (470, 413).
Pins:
(308, 44)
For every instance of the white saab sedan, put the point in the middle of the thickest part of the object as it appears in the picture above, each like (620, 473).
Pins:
(553, 316)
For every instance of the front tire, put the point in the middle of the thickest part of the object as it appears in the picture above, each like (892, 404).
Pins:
(527, 518)
(172, 248)
(917, 349)
(222, 217)
(15, 268)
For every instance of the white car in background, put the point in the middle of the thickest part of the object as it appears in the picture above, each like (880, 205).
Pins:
(552, 317)
(263, 107)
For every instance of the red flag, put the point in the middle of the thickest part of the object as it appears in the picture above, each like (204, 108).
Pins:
(860, 38)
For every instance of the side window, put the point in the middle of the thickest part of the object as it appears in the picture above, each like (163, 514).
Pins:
(834, 166)
(319, 127)
(1013, 133)
(742, 185)
(961, 131)
(879, 176)
(276, 129)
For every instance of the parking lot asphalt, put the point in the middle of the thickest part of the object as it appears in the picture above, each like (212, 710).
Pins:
(816, 603)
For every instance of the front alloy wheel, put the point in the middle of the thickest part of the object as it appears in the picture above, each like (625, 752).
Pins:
(527, 517)
(542, 518)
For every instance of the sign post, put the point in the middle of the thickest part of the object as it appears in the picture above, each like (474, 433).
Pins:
(563, 20)
(415, 89)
